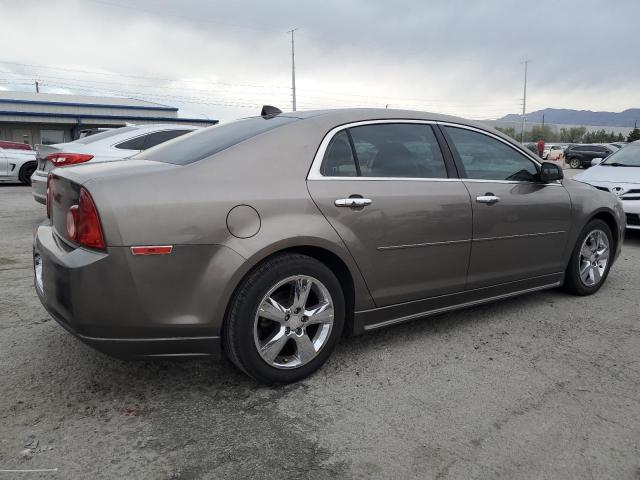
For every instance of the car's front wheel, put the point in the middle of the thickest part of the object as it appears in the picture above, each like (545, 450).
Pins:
(574, 163)
(285, 319)
(591, 259)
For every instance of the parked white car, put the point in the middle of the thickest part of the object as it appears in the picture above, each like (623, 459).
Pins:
(107, 146)
(619, 174)
(17, 165)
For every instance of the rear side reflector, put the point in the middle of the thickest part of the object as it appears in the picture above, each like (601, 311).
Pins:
(152, 250)
(64, 159)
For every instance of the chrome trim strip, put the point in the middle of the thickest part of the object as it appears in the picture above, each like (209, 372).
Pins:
(428, 244)
(519, 182)
(460, 306)
(377, 179)
(100, 339)
(524, 235)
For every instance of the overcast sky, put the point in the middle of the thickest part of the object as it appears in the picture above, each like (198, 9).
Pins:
(223, 59)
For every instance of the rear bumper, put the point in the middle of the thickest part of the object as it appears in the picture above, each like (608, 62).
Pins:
(129, 306)
(39, 186)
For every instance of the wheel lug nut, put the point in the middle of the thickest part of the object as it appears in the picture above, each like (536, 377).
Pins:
(286, 317)
(287, 331)
(297, 310)
(299, 331)
(305, 318)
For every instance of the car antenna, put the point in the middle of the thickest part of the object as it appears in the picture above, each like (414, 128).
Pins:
(269, 111)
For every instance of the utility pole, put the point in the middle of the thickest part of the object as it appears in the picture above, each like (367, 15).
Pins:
(37, 87)
(524, 101)
(293, 69)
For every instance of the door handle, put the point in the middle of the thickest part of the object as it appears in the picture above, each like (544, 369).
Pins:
(488, 198)
(353, 202)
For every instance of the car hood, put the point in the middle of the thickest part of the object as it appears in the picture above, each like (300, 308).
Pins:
(606, 174)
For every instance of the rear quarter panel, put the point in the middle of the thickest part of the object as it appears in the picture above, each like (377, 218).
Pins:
(189, 205)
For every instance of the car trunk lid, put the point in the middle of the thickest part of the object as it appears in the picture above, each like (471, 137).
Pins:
(65, 184)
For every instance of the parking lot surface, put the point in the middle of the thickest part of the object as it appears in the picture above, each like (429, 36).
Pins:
(542, 386)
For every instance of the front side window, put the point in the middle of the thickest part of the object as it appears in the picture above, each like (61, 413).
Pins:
(390, 150)
(485, 158)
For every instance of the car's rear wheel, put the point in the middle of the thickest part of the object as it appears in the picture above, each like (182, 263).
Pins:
(24, 175)
(285, 319)
(574, 163)
(591, 259)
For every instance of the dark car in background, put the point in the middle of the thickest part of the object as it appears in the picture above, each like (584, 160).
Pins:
(580, 156)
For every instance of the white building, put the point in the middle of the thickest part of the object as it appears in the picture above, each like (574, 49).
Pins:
(54, 118)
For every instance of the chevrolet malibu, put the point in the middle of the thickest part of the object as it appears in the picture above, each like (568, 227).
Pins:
(269, 238)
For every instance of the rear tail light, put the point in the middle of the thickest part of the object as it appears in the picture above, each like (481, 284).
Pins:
(83, 223)
(64, 159)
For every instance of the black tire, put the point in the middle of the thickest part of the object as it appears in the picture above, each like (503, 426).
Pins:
(24, 175)
(238, 336)
(573, 283)
(575, 163)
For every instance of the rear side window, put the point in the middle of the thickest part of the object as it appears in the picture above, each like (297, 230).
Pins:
(209, 141)
(393, 150)
(157, 138)
(136, 143)
(338, 159)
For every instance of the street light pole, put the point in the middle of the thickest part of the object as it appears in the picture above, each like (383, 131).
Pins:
(524, 101)
(293, 69)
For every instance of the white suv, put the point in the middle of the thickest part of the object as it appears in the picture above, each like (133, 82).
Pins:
(115, 144)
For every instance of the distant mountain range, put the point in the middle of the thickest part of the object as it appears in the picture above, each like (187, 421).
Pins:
(565, 116)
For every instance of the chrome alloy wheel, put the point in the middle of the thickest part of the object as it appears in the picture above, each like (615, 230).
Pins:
(293, 322)
(594, 257)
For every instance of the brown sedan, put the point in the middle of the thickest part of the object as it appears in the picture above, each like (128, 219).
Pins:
(271, 237)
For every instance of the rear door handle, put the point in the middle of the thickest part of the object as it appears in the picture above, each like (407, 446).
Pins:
(353, 202)
(488, 198)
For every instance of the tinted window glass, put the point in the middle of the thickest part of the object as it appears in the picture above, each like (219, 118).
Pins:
(109, 133)
(338, 159)
(404, 150)
(486, 158)
(209, 141)
(136, 143)
(157, 138)
(628, 156)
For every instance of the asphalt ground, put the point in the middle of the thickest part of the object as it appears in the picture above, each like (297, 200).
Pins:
(545, 386)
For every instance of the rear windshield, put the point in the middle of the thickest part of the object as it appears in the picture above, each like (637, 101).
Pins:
(209, 141)
(103, 135)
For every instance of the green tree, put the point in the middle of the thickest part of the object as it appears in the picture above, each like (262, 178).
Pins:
(572, 135)
(509, 131)
(543, 132)
(634, 135)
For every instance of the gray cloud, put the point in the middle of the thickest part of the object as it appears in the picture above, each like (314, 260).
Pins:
(222, 59)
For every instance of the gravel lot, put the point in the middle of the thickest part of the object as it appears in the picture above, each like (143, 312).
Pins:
(543, 386)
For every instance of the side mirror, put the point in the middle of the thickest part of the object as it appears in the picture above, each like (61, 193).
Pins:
(550, 172)
(596, 161)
